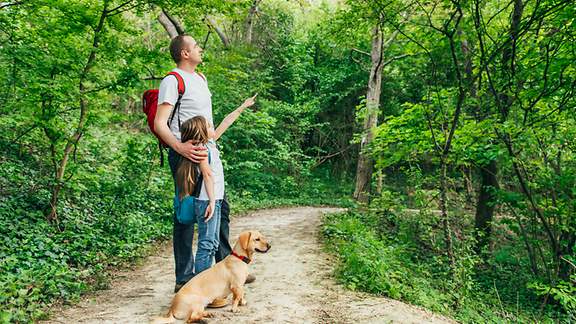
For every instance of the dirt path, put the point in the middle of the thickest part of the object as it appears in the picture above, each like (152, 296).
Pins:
(293, 285)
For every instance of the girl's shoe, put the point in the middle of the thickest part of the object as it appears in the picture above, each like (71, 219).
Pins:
(250, 279)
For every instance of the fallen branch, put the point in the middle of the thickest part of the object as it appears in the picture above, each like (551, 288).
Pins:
(331, 155)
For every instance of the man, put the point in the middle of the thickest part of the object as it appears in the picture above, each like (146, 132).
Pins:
(196, 100)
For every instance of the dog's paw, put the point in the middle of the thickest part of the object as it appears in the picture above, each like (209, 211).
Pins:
(243, 302)
(235, 309)
(209, 314)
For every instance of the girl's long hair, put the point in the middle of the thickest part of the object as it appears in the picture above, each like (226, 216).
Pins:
(194, 129)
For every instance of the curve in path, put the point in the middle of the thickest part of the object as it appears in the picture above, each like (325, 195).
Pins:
(294, 283)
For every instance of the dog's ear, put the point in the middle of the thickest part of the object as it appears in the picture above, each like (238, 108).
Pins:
(245, 240)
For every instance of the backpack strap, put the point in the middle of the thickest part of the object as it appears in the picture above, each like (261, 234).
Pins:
(209, 156)
(176, 110)
(181, 85)
(181, 90)
(161, 149)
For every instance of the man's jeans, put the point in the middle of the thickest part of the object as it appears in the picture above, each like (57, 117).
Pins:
(182, 235)
(208, 235)
(224, 248)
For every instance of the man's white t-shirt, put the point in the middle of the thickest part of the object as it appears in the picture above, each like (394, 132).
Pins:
(196, 101)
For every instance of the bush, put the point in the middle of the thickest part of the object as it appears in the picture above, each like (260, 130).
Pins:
(109, 217)
(404, 264)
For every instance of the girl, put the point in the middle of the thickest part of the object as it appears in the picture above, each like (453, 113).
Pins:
(207, 206)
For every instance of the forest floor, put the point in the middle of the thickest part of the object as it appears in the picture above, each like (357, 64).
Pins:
(294, 283)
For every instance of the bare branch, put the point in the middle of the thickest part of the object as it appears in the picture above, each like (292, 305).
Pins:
(331, 155)
(395, 58)
(174, 22)
(9, 4)
(136, 5)
(170, 24)
(390, 39)
(167, 24)
(526, 190)
(359, 51)
(119, 7)
(249, 22)
(219, 31)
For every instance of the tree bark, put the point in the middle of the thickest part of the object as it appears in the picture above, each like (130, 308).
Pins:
(364, 167)
(171, 25)
(249, 22)
(221, 34)
(444, 213)
(488, 173)
(485, 206)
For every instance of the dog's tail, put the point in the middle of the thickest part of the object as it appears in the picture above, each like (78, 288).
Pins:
(165, 320)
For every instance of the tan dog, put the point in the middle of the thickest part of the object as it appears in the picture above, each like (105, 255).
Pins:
(227, 276)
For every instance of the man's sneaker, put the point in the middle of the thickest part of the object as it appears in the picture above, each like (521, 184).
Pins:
(178, 286)
(250, 279)
(218, 303)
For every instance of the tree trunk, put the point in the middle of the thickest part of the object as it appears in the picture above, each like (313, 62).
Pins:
(444, 213)
(75, 138)
(171, 25)
(249, 23)
(445, 151)
(485, 206)
(508, 58)
(488, 173)
(364, 168)
(223, 37)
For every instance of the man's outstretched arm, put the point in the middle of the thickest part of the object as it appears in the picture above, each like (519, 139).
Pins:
(187, 149)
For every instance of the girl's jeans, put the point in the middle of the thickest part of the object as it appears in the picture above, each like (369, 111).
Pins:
(208, 235)
(182, 236)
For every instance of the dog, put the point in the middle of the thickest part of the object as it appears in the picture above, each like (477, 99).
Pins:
(225, 277)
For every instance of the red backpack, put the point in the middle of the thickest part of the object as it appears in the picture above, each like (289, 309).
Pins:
(150, 107)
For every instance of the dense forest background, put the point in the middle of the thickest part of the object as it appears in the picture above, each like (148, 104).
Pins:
(447, 127)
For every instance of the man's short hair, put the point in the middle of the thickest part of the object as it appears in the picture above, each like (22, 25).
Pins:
(176, 46)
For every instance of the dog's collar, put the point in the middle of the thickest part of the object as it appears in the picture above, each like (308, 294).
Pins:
(244, 259)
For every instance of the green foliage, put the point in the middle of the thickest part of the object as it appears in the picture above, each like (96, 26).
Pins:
(564, 292)
(369, 264)
(509, 101)
(475, 99)
(110, 217)
(407, 264)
